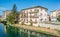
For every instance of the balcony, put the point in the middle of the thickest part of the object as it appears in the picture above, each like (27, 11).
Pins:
(33, 12)
(33, 16)
(25, 16)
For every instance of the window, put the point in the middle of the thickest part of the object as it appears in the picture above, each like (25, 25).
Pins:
(35, 20)
(36, 10)
(27, 21)
(41, 19)
(40, 14)
(24, 20)
(45, 19)
(25, 11)
(41, 9)
(35, 14)
(30, 10)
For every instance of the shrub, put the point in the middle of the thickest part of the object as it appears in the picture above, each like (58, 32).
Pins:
(22, 23)
(58, 18)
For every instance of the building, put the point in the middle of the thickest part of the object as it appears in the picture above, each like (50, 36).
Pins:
(54, 15)
(33, 15)
(5, 14)
(49, 17)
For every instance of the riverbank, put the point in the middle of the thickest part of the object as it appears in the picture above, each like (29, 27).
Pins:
(39, 29)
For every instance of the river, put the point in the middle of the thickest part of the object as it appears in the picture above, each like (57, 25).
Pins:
(14, 32)
(2, 34)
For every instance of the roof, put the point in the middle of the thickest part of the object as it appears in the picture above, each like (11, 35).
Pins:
(35, 7)
(6, 10)
(55, 10)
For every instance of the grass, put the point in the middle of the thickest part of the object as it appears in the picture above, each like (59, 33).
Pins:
(44, 32)
(58, 32)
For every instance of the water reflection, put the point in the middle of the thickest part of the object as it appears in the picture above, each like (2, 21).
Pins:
(15, 32)
(12, 31)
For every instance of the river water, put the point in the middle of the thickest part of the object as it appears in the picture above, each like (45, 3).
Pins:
(2, 34)
(14, 32)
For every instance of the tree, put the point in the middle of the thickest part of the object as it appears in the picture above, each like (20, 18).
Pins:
(14, 10)
(12, 17)
(58, 18)
(14, 13)
(0, 20)
(31, 23)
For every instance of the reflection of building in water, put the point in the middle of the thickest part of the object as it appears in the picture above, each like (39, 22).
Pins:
(4, 28)
(35, 15)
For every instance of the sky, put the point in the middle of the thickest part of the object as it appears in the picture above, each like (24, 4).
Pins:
(22, 4)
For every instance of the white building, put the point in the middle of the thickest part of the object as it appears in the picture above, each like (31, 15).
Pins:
(5, 14)
(54, 15)
(35, 15)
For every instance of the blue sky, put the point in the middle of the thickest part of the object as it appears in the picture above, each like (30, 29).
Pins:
(22, 4)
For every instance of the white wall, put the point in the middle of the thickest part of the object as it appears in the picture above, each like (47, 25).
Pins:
(50, 26)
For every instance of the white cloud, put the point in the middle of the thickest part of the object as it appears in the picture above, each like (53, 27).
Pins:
(2, 8)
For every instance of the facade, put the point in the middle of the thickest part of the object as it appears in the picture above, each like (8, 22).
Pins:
(33, 15)
(54, 15)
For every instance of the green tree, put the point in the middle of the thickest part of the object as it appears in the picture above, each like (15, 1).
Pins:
(14, 10)
(12, 17)
(0, 20)
(58, 18)
(31, 23)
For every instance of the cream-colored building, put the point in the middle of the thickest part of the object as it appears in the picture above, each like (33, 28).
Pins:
(35, 15)
(54, 15)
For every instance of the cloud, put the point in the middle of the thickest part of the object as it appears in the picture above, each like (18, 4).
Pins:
(2, 8)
